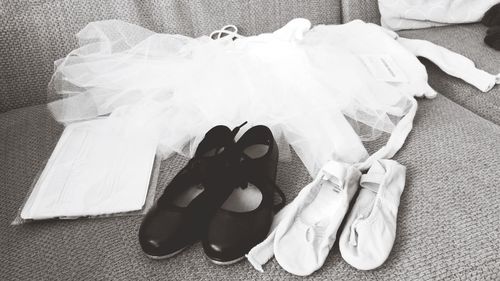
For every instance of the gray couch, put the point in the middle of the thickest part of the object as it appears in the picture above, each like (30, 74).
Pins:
(449, 219)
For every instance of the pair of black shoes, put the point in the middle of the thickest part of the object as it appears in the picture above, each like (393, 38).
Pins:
(492, 20)
(223, 197)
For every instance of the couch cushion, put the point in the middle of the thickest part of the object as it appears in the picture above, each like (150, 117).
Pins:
(468, 41)
(33, 34)
(447, 224)
(366, 10)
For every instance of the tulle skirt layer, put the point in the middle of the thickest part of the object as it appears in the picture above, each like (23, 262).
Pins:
(299, 86)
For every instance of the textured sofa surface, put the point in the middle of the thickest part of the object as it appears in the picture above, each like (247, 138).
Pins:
(448, 223)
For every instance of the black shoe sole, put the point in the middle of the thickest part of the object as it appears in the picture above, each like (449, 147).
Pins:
(226, 262)
(166, 256)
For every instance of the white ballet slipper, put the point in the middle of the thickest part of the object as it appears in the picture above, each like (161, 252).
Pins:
(302, 242)
(370, 230)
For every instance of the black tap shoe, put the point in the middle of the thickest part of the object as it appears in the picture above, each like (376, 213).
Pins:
(245, 218)
(180, 216)
(492, 38)
(492, 16)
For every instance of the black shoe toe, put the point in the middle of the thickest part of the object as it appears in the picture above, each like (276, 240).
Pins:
(492, 38)
(163, 233)
(492, 16)
(231, 235)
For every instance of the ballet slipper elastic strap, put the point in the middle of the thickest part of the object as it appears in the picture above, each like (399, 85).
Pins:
(396, 140)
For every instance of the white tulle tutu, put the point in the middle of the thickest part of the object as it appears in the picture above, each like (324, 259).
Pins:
(293, 80)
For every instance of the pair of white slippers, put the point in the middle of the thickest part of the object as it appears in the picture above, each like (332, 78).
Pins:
(304, 232)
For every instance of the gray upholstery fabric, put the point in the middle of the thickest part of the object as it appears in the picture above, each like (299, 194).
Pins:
(366, 10)
(447, 223)
(468, 41)
(33, 34)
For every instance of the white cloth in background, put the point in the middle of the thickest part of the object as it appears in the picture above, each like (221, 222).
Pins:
(365, 39)
(452, 63)
(298, 81)
(414, 14)
(271, 79)
(395, 71)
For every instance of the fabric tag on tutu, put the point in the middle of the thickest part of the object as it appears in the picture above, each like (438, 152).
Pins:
(383, 68)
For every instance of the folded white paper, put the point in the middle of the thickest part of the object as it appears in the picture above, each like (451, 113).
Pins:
(98, 167)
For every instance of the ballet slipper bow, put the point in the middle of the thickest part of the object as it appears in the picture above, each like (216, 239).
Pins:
(335, 173)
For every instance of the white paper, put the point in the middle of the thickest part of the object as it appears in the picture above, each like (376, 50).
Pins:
(98, 167)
